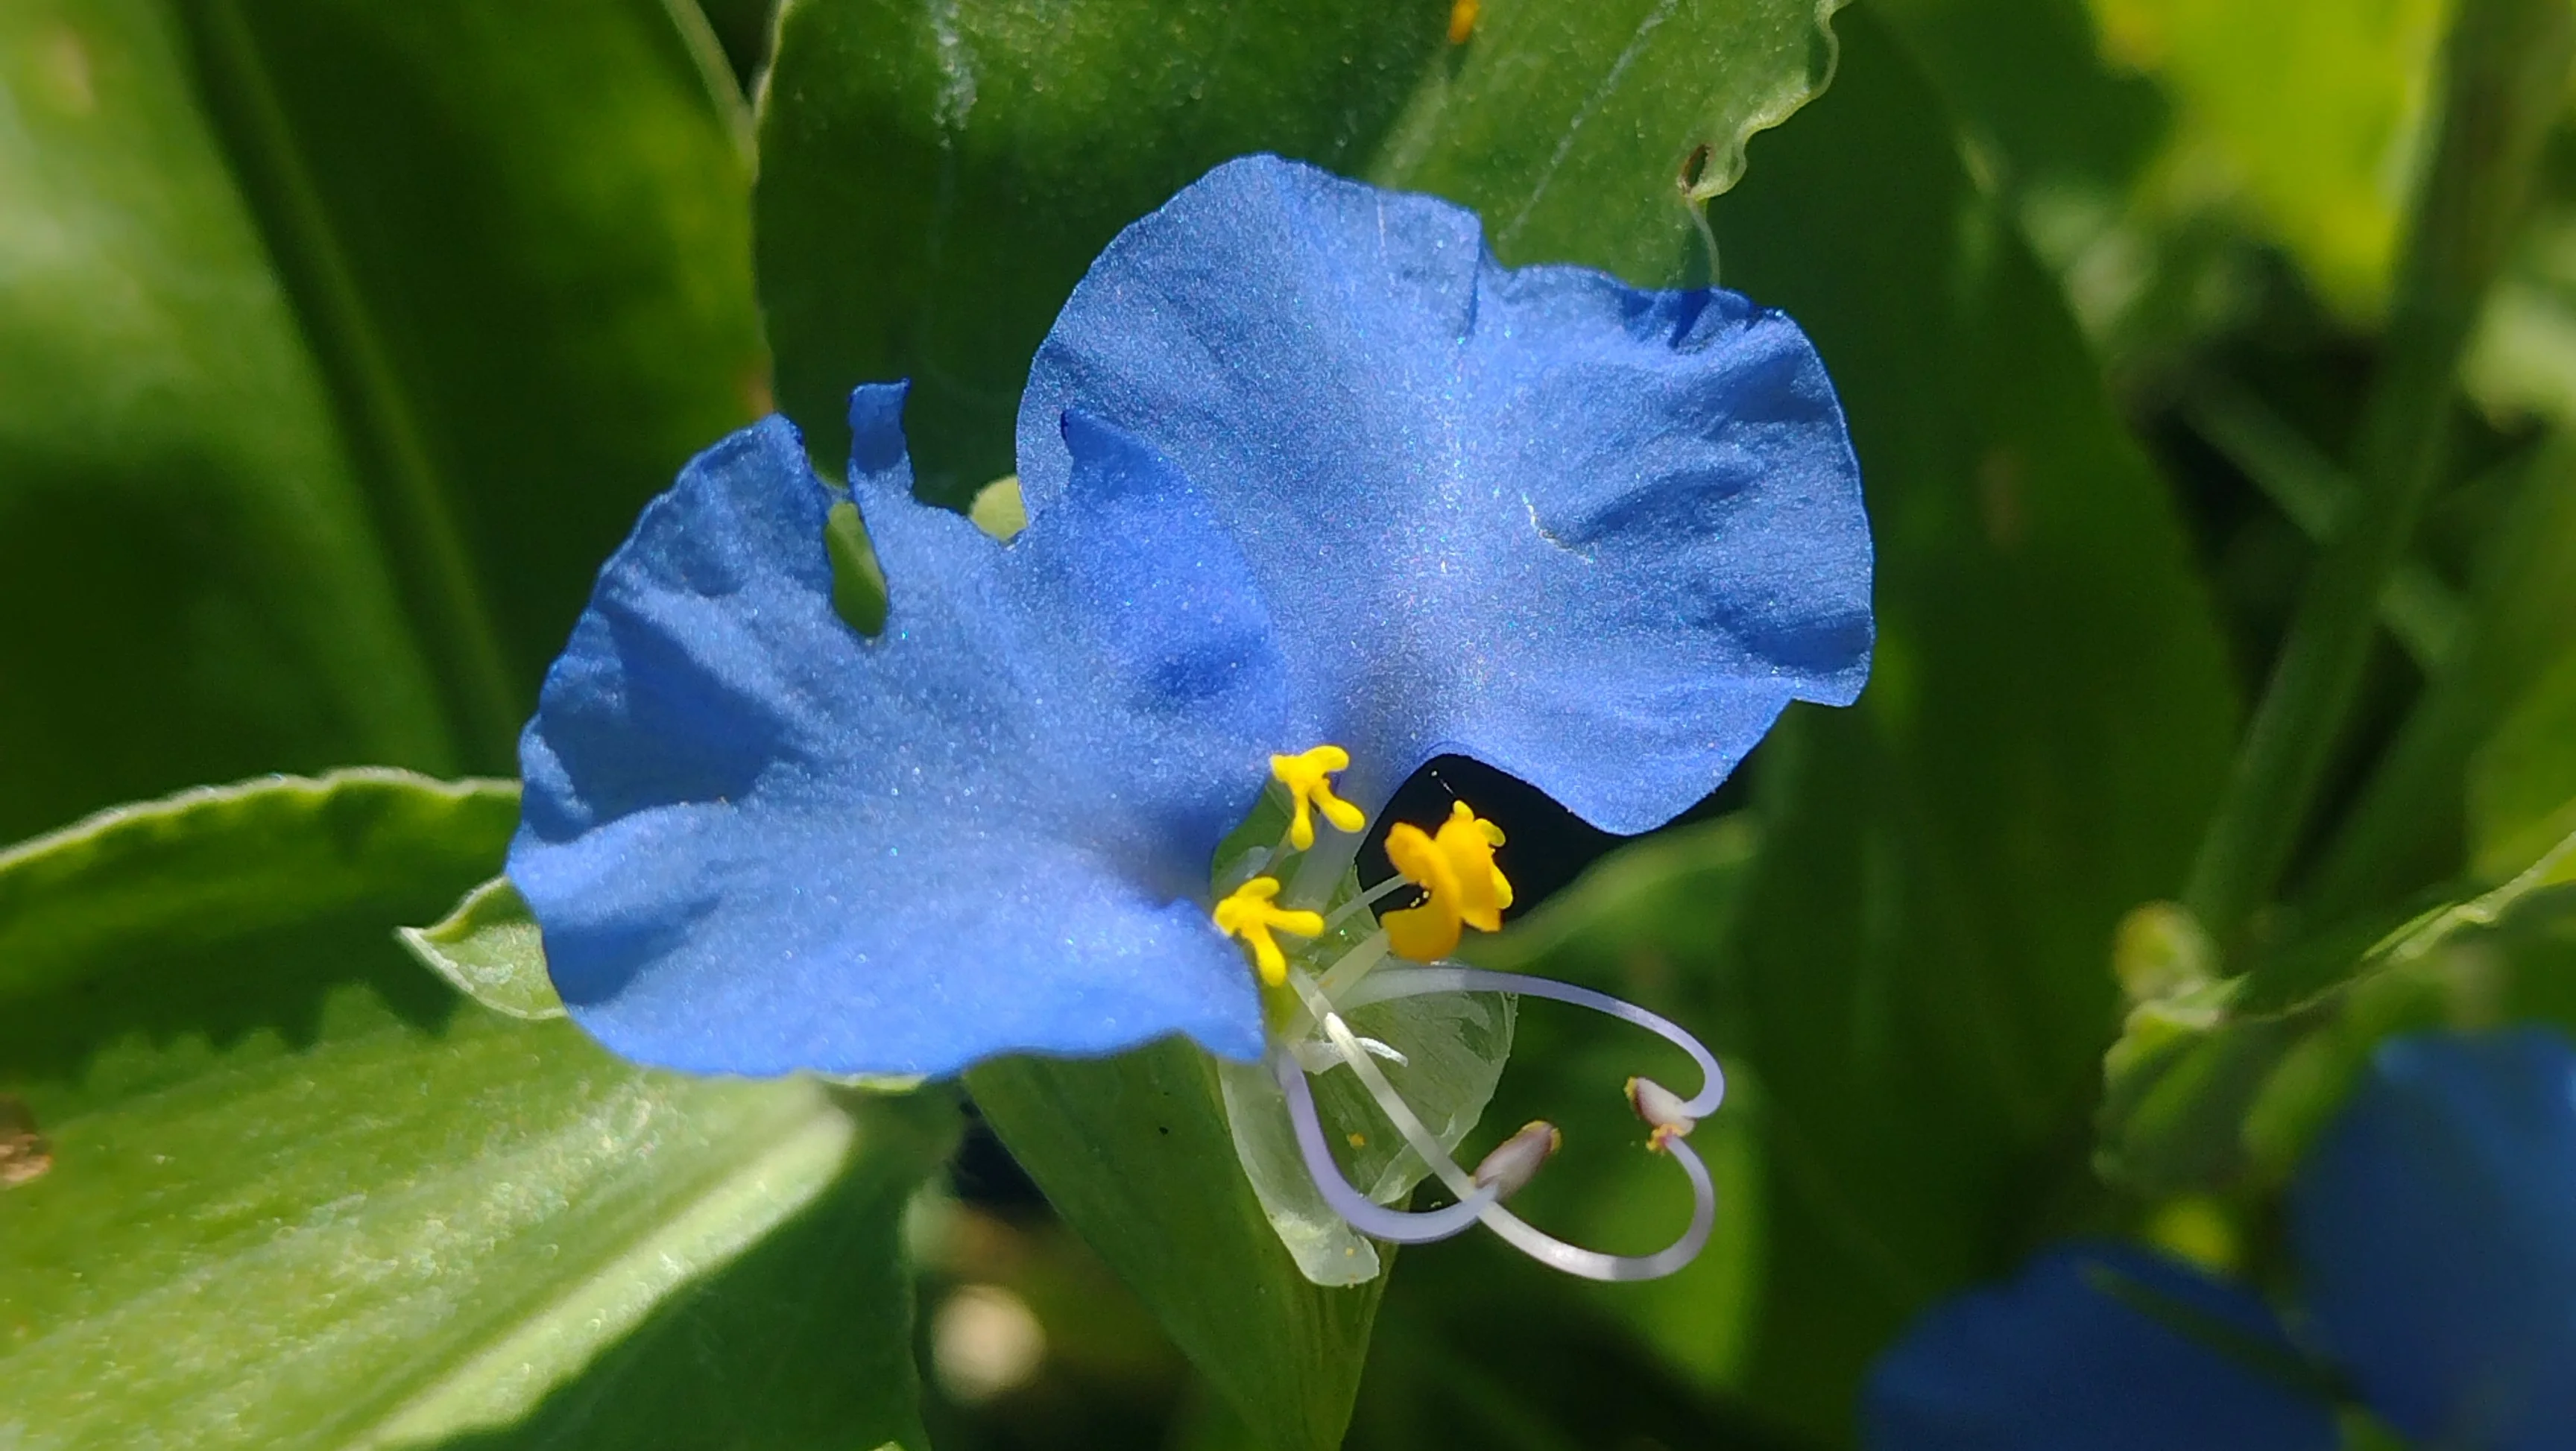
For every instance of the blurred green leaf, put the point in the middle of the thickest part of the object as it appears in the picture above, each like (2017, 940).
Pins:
(301, 1194)
(2411, 827)
(518, 242)
(338, 344)
(2227, 1082)
(2061, 126)
(1134, 1152)
(1926, 938)
(2522, 784)
(741, 29)
(934, 180)
(194, 584)
(2523, 363)
(2308, 112)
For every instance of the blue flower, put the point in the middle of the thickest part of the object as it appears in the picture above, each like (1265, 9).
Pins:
(2435, 1225)
(1316, 488)
(757, 842)
(2434, 1229)
(1593, 536)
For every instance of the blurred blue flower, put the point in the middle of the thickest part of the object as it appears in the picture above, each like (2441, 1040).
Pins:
(2083, 1349)
(1304, 466)
(2434, 1229)
(2435, 1225)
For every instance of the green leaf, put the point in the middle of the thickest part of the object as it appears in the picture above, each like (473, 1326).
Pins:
(934, 180)
(338, 344)
(1593, 133)
(1925, 944)
(2227, 1082)
(2310, 111)
(518, 241)
(194, 584)
(2522, 787)
(1134, 1152)
(2523, 361)
(301, 1194)
(2416, 824)
(489, 949)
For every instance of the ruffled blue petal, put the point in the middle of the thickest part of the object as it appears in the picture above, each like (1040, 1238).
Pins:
(2435, 1225)
(2055, 1360)
(757, 841)
(1593, 536)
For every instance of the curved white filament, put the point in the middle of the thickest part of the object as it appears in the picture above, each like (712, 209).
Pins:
(1518, 1232)
(1387, 984)
(1397, 1226)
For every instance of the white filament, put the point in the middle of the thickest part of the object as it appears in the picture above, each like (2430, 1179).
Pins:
(1480, 1202)
(1397, 1226)
(1407, 982)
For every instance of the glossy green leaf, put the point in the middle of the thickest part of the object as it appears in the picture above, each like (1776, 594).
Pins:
(338, 344)
(302, 1194)
(517, 239)
(935, 179)
(1592, 133)
(1134, 1152)
(1925, 946)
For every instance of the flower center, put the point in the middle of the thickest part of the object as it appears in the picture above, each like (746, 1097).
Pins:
(1339, 969)
(1452, 866)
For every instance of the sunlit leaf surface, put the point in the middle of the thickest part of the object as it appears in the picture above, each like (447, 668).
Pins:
(302, 1194)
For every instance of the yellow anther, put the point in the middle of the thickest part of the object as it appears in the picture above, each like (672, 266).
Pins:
(1456, 867)
(1252, 912)
(1308, 777)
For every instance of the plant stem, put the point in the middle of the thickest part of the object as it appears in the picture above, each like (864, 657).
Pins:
(2505, 65)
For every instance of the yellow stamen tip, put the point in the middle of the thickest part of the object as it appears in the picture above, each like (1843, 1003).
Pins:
(1252, 913)
(1308, 777)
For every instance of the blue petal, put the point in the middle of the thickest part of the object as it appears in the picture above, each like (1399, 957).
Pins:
(757, 841)
(2053, 1361)
(2435, 1225)
(1593, 536)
